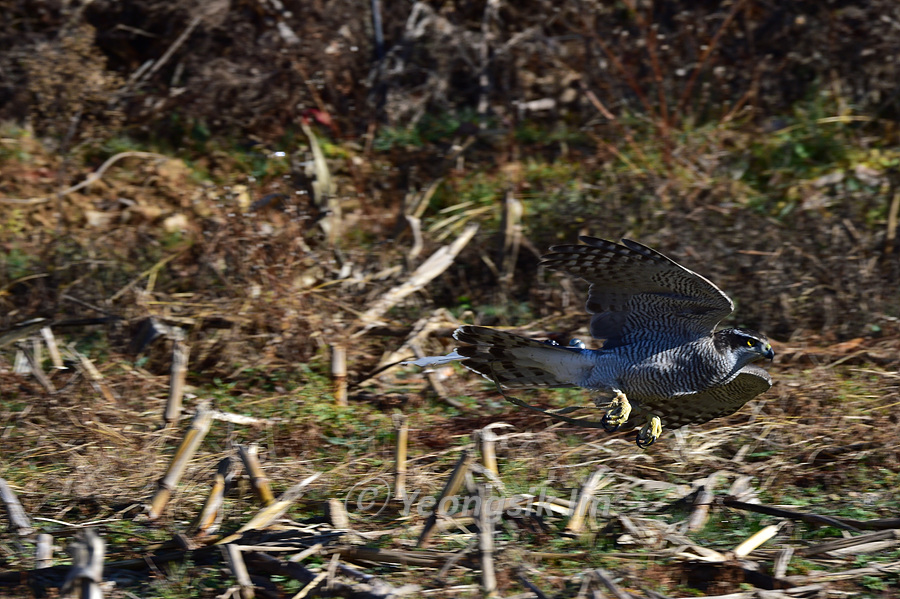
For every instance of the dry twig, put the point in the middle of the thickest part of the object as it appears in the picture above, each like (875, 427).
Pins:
(96, 175)
(844, 523)
(436, 264)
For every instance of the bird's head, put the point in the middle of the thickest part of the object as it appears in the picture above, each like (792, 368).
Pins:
(747, 345)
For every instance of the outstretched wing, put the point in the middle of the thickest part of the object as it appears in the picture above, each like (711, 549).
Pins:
(637, 294)
(703, 406)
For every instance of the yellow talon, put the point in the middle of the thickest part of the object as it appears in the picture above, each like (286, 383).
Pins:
(650, 432)
(617, 414)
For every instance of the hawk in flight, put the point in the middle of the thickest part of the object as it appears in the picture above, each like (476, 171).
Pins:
(662, 361)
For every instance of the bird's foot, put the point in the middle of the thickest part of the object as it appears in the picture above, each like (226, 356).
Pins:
(617, 414)
(650, 432)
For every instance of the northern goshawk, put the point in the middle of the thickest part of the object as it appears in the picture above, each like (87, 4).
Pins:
(662, 359)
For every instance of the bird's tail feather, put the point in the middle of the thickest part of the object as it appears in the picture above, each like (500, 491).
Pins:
(517, 362)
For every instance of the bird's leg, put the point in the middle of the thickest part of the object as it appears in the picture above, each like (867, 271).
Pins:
(617, 413)
(650, 432)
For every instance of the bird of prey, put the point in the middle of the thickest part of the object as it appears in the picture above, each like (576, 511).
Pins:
(662, 359)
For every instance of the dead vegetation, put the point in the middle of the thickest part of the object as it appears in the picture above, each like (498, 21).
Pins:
(755, 500)
(251, 70)
(257, 300)
(267, 290)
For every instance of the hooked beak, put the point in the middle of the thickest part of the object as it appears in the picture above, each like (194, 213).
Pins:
(770, 353)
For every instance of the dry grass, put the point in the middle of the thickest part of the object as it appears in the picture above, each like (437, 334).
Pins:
(820, 442)
(261, 297)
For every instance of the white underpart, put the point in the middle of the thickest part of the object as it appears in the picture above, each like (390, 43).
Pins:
(567, 366)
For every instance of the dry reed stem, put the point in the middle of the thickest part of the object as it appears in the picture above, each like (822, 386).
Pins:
(240, 418)
(781, 562)
(170, 51)
(323, 187)
(843, 523)
(52, 347)
(452, 486)
(272, 512)
(401, 429)
(415, 227)
(258, 481)
(700, 513)
(607, 580)
(86, 574)
(232, 554)
(93, 375)
(189, 445)
(150, 272)
(419, 203)
(420, 558)
(181, 352)
(15, 513)
(486, 543)
(849, 542)
(339, 373)
(893, 217)
(486, 440)
(312, 585)
(337, 515)
(700, 554)
(853, 574)
(755, 540)
(43, 551)
(512, 239)
(594, 483)
(211, 515)
(313, 549)
(34, 366)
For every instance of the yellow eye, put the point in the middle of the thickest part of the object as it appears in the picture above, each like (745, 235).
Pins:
(749, 342)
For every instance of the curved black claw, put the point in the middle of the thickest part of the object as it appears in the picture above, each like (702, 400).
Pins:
(617, 413)
(609, 426)
(650, 432)
(644, 442)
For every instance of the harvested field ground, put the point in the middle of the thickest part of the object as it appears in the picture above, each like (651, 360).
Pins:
(261, 302)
